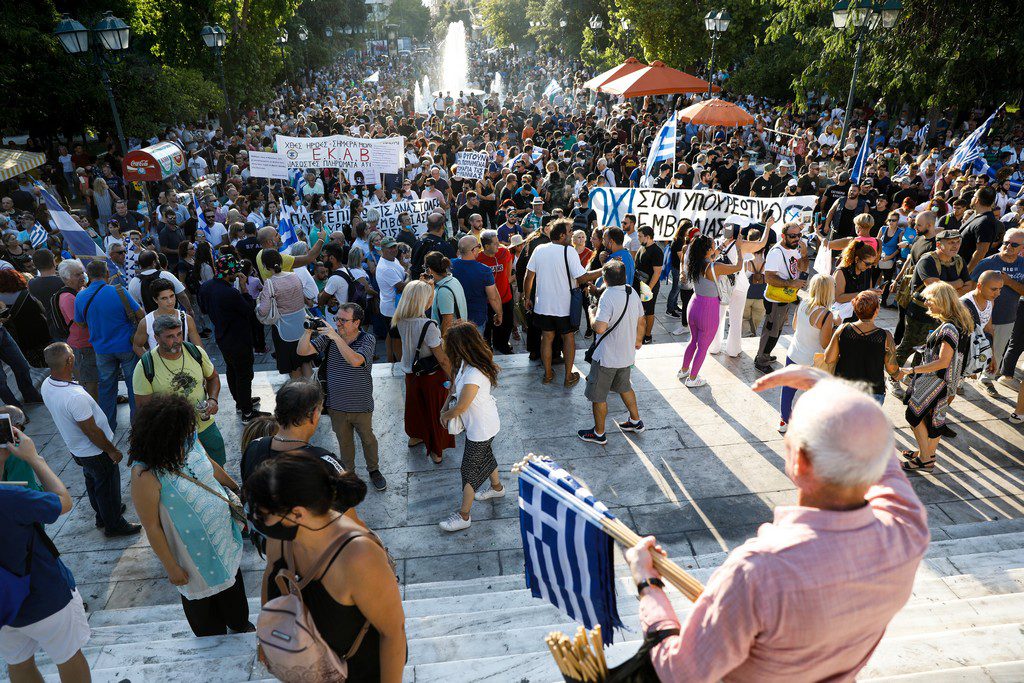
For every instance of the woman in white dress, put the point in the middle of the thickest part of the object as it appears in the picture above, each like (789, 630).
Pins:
(738, 297)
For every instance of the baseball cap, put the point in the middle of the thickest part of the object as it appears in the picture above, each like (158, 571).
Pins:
(791, 183)
(768, 168)
(785, 164)
(948, 235)
(388, 242)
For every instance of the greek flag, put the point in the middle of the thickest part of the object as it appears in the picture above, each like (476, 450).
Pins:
(77, 240)
(968, 152)
(552, 88)
(201, 219)
(664, 146)
(922, 135)
(297, 179)
(37, 236)
(861, 161)
(372, 78)
(288, 236)
(568, 555)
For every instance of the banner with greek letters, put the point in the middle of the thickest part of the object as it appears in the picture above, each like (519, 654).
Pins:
(389, 224)
(708, 209)
(471, 164)
(357, 158)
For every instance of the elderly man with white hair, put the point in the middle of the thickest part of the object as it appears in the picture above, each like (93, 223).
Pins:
(811, 595)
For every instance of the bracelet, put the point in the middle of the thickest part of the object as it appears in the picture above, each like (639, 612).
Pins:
(649, 582)
(214, 399)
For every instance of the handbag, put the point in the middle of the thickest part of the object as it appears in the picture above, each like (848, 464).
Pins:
(588, 355)
(428, 364)
(455, 425)
(293, 649)
(575, 297)
(235, 506)
(272, 315)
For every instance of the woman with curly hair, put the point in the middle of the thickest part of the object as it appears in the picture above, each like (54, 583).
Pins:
(179, 494)
(476, 375)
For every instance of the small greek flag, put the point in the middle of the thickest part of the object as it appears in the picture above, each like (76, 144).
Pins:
(201, 219)
(969, 151)
(552, 88)
(297, 178)
(288, 236)
(567, 553)
(38, 236)
(372, 78)
(922, 135)
(664, 146)
(861, 162)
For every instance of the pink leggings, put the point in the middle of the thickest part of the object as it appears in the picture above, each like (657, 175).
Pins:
(702, 315)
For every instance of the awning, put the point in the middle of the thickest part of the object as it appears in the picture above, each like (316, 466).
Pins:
(656, 79)
(627, 67)
(716, 113)
(153, 163)
(14, 162)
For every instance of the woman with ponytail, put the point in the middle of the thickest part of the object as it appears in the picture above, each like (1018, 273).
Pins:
(302, 501)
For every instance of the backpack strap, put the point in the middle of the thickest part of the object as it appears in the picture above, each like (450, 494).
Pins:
(193, 351)
(147, 366)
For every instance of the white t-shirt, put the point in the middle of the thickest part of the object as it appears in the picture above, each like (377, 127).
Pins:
(984, 315)
(389, 274)
(631, 242)
(337, 287)
(309, 288)
(552, 283)
(618, 349)
(783, 262)
(69, 403)
(135, 286)
(217, 233)
(65, 163)
(481, 418)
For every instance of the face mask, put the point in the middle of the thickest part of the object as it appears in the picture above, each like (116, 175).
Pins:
(278, 531)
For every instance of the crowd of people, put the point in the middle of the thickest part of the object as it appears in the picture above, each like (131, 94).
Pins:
(515, 257)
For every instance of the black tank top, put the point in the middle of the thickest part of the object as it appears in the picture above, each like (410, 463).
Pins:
(338, 624)
(862, 357)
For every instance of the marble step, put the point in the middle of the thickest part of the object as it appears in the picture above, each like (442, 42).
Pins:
(1005, 672)
(984, 647)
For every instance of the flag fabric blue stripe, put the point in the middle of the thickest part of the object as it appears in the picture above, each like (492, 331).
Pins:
(38, 236)
(201, 218)
(969, 151)
(664, 147)
(567, 555)
(861, 162)
(288, 236)
(77, 240)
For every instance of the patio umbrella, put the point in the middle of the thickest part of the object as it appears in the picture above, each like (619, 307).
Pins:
(716, 113)
(14, 162)
(656, 79)
(627, 67)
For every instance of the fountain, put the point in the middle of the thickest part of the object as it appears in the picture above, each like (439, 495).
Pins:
(427, 102)
(498, 87)
(419, 102)
(454, 60)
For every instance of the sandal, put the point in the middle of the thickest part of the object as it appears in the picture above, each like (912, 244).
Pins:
(548, 379)
(916, 464)
(907, 455)
(573, 380)
(438, 460)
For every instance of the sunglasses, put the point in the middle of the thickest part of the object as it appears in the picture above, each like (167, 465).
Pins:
(1013, 244)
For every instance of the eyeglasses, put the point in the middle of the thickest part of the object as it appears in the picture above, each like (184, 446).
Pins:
(892, 220)
(344, 320)
(791, 234)
(1013, 244)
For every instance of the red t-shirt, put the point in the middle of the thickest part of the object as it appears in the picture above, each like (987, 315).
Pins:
(501, 265)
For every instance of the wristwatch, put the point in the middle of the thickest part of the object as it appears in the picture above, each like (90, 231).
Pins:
(648, 582)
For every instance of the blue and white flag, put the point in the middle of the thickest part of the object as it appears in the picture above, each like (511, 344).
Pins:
(861, 162)
(77, 240)
(664, 146)
(372, 78)
(297, 178)
(568, 555)
(201, 219)
(552, 88)
(922, 135)
(37, 236)
(969, 151)
(288, 236)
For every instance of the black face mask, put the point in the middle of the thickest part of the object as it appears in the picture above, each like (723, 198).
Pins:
(280, 532)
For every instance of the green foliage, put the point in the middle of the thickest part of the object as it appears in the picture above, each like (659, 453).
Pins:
(550, 13)
(412, 18)
(150, 97)
(505, 20)
(768, 71)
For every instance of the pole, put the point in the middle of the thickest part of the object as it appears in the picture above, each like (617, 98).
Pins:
(105, 77)
(711, 68)
(224, 87)
(853, 84)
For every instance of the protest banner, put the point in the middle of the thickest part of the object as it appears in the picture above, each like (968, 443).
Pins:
(365, 157)
(471, 164)
(708, 209)
(389, 225)
(268, 165)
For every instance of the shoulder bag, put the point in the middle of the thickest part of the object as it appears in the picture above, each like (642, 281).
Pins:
(588, 355)
(225, 494)
(272, 314)
(785, 295)
(575, 296)
(428, 364)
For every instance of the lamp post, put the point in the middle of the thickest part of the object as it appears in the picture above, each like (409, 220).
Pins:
(865, 16)
(596, 24)
(109, 41)
(716, 22)
(281, 41)
(627, 26)
(216, 38)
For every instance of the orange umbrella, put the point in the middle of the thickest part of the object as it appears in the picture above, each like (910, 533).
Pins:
(656, 79)
(627, 67)
(716, 113)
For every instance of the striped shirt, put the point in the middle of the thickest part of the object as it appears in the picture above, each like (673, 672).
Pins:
(349, 389)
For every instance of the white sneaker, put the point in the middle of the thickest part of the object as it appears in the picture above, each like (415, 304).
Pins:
(680, 330)
(683, 374)
(1011, 382)
(488, 494)
(695, 382)
(455, 522)
(783, 426)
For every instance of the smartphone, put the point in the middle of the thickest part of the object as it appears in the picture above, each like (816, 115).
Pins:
(6, 429)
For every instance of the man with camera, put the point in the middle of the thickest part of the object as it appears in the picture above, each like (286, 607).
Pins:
(345, 374)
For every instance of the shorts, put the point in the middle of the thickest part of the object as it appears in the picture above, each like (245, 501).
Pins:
(602, 381)
(553, 323)
(60, 635)
(85, 363)
(382, 327)
(649, 305)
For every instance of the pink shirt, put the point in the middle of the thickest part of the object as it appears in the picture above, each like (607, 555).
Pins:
(807, 599)
(78, 335)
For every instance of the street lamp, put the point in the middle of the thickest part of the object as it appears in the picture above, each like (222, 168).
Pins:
(109, 42)
(716, 22)
(303, 34)
(281, 41)
(329, 32)
(865, 16)
(216, 38)
(563, 23)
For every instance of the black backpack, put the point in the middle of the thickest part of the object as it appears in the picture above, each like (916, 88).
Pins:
(59, 323)
(149, 370)
(356, 289)
(148, 302)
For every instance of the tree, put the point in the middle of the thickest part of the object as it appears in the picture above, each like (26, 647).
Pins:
(412, 18)
(505, 20)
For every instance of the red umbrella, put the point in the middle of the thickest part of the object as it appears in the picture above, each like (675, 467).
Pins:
(627, 67)
(656, 79)
(716, 113)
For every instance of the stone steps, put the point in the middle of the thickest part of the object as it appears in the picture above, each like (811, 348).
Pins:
(1005, 672)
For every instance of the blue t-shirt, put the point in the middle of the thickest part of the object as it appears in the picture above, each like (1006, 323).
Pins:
(505, 232)
(1004, 309)
(627, 258)
(51, 583)
(110, 331)
(474, 278)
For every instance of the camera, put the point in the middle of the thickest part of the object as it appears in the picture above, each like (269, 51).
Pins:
(314, 324)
